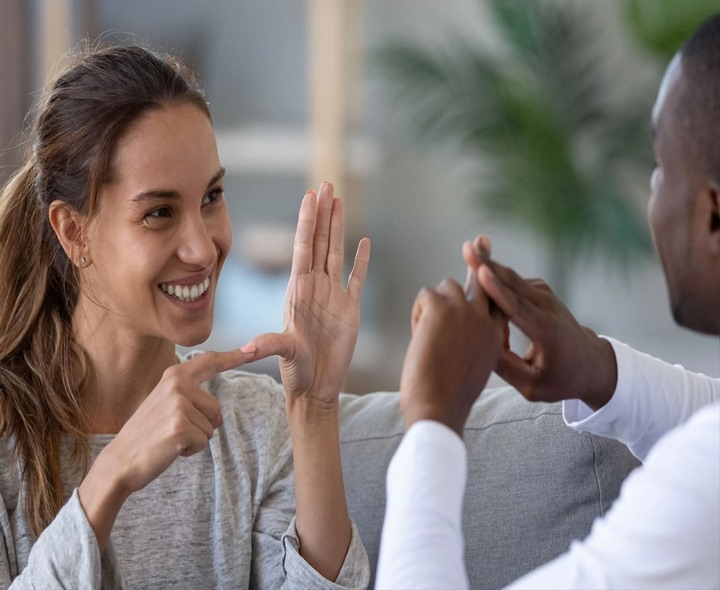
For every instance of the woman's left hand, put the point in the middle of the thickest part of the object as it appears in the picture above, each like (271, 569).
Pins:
(322, 316)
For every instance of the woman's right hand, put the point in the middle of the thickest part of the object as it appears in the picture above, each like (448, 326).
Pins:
(176, 419)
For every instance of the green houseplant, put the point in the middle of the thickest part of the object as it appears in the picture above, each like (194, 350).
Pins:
(661, 26)
(554, 150)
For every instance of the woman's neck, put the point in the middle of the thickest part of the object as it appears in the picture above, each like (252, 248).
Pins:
(123, 369)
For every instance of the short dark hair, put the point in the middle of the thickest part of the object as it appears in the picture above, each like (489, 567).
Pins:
(700, 106)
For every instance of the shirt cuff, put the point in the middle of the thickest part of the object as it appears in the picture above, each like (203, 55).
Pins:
(354, 573)
(583, 418)
(66, 554)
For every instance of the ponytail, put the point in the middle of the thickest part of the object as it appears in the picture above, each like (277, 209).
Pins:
(21, 274)
(40, 367)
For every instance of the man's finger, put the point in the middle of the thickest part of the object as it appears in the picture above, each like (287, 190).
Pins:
(208, 364)
(483, 244)
(451, 289)
(516, 371)
(514, 305)
(303, 246)
(356, 282)
(417, 308)
(496, 290)
(472, 259)
(471, 254)
(475, 254)
(511, 279)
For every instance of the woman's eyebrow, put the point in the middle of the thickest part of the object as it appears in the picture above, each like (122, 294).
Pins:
(170, 193)
(155, 194)
(218, 175)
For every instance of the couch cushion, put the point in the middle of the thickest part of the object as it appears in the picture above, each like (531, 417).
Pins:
(534, 485)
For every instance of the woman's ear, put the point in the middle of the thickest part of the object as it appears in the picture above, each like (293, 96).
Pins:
(68, 226)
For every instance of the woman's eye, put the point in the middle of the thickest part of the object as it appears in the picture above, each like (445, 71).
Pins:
(159, 213)
(213, 195)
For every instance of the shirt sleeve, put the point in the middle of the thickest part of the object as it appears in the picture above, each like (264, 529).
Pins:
(422, 540)
(276, 548)
(354, 573)
(66, 555)
(664, 529)
(650, 399)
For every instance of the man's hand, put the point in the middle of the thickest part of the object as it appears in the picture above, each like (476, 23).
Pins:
(455, 344)
(564, 360)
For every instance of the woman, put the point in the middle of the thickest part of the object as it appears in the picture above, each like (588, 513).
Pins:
(125, 464)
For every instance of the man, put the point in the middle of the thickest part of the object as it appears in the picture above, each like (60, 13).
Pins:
(664, 530)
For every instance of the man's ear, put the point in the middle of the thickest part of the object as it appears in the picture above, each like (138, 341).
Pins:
(68, 226)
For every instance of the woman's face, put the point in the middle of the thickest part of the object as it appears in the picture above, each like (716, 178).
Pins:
(162, 231)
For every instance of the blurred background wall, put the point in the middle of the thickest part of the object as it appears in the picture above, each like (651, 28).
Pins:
(306, 91)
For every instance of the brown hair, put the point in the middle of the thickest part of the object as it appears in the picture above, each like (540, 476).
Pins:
(42, 370)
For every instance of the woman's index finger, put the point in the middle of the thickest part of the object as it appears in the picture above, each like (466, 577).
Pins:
(208, 364)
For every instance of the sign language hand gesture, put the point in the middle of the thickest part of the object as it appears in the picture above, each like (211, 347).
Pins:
(565, 359)
(322, 316)
(457, 336)
(176, 419)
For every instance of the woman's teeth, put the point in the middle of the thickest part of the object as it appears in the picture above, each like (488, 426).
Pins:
(186, 292)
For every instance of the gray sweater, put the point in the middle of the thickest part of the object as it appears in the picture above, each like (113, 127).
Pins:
(223, 518)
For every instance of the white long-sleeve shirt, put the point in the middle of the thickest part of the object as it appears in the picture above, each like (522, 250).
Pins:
(662, 532)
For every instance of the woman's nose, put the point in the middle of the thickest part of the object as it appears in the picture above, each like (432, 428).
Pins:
(196, 245)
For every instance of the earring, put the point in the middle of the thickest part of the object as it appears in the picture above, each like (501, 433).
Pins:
(83, 261)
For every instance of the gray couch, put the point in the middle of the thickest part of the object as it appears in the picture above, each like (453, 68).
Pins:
(534, 485)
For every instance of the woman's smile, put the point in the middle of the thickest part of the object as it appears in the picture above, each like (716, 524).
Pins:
(185, 292)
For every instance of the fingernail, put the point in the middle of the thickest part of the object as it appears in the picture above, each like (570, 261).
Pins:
(249, 349)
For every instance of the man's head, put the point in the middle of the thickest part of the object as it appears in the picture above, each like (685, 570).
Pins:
(684, 208)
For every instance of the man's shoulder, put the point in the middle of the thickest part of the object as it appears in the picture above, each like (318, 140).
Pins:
(706, 419)
(697, 439)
